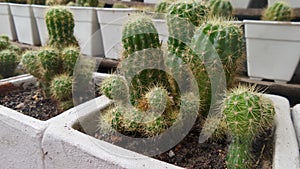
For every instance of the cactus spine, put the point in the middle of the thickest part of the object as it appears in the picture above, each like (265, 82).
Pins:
(220, 8)
(60, 25)
(279, 11)
(246, 113)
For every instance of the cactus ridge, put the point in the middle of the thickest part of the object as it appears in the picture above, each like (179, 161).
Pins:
(221, 8)
(279, 11)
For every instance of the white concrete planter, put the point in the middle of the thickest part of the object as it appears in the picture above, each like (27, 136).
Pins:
(272, 49)
(292, 3)
(111, 22)
(240, 3)
(7, 26)
(87, 31)
(296, 121)
(25, 24)
(69, 148)
(39, 12)
(21, 135)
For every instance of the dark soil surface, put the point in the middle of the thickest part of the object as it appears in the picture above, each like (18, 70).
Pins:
(30, 102)
(209, 155)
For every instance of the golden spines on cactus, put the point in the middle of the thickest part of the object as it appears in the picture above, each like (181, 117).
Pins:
(279, 11)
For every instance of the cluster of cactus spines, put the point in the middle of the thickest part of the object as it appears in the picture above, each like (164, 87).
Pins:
(60, 25)
(92, 3)
(8, 63)
(69, 55)
(215, 37)
(9, 57)
(246, 113)
(279, 11)
(157, 99)
(221, 8)
(182, 18)
(163, 6)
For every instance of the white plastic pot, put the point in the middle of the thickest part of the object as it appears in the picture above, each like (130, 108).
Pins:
(25, 24)
(272, 49)
(7, 26)
(152, 1)
(111, 22)
(39, 12)
(240, 3)
(87, 31)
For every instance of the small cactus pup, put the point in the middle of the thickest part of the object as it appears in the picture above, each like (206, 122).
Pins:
(32, 64)
(8, 63)
(220, 8)
(60, 26)
(247, 114)
(61, 89)
(69, 56)
(217, 47)
(4, 43)
(279, 11)
(182, 19)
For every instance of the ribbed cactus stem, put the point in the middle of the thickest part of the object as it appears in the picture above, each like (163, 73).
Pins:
(279, 11)
(60, 25)
(8, 63)
(221, 8)
(69, 56)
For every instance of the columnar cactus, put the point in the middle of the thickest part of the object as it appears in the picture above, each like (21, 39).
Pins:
(220, 8)
(279, 11)
(8, 63)
(246, 113)
(60, 25)
(214, 40)
(61, 90)
(182, 18)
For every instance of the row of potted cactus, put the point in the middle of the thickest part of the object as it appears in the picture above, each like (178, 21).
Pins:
(158, 92)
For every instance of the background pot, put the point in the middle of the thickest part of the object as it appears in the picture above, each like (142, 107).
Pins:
(7, 24)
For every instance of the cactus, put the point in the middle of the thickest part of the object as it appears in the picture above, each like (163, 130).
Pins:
(69, 55)
(157, 99)
(279, 11)
(4, 43)
(141, 46)
(139, 33)
(61, 87)
(49, 58)
(115, 87)
(32, 64)
(226, 39)
(182, 18)
(247, 113)
(56, 2)
(163, 6)
(61, 90)
(60, 25)
(221, 8)
(8, 63)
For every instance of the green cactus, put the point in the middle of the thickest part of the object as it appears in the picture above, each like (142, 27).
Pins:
(61, 87)
(60, 25)
(32, 64)
(8, 63)
(93, 3)
(56, 2)
(221, 8)
(141, 46)
(115, 87)
(139, 33)
(4, 43)
(182, 18)
(214, 40)
(69, 56)
(157, 99)
(163, 6)
(247, 113)
(279, 11)
(49, 59)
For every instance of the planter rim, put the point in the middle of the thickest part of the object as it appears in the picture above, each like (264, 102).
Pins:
(16, 4)
(40, 6)
(117, 9)
(81, 7)
(271, 22)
